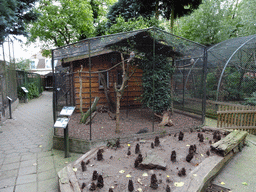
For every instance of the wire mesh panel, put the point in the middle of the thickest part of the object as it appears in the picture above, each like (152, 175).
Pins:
(231, 70)
(136, 76)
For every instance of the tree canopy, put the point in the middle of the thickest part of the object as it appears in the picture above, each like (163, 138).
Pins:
(14, 16)
(169, 9)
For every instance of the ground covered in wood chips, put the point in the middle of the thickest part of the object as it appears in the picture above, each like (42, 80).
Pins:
(103, 127)
(117, 168)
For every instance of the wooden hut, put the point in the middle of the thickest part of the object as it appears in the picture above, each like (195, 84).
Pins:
(106, 61)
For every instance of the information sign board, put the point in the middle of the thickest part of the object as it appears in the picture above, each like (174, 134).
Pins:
(24, 89)
(61, 122)
(67, 111)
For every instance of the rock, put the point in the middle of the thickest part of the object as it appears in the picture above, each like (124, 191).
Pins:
(152, 161)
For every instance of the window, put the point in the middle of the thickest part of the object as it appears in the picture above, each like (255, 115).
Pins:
(106, 78)
(32, 65)
(48, 63)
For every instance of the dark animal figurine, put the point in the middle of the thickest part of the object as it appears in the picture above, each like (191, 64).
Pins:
(195, 148)
(140, 158)
(136, 163)
(100, 154)
(94, 175)
(173, 156)
(87, 162)
(144, 130)
(168, 189)
(110, 190)
(83, 186)
(83, 166)
(157, 141)
(153, 182)
(152, 145)
(191, 149)
(201, 139)
(208, 153)
(117, 144)
(130, 186)
(100, 182)
(92, 187)
(137, 148)
(129, 151)
(189, 157)
(182, 172)
(181, 136)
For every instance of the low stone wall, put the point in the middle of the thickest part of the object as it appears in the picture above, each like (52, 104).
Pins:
(6, 114)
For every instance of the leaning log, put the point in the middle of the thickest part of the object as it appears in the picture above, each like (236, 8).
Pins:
(233, 141)
(91, 110)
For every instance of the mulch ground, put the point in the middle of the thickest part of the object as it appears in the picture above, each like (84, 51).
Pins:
(104, 128)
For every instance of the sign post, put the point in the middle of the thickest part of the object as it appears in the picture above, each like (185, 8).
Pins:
(26, 93)
(62, 122)
(10, 106)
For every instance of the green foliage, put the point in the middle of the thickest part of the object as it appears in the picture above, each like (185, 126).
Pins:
(213, 22)
(14, 16)
(63, 22)
(156, 82)
(33, 91)
(23, 64)
(251, 100)
(132, 24)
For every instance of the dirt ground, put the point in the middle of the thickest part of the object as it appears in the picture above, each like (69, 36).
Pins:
(117, 167)
(104, 128)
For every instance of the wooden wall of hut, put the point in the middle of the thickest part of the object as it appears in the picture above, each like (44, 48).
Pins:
(103, 62)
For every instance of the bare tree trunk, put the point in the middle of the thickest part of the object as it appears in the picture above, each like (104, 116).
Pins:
(118, 101)
(120, 91)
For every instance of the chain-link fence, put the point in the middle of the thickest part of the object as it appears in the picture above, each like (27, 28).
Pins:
(31, 81)
(8, 84)
(231, 76)
(150, 71)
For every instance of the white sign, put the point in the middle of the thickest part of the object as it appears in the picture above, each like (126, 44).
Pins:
(10, 99)
(61, 122)
(67, 111)
(24, 89)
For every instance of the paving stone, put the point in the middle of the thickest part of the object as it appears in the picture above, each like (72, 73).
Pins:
(10, 166)
(23, 179)
(8, 189)
(4, 183)
(12, 160)
(45, 166)
(27, 170)
(29, 187)
(27, 163)
(29, 156)
(8, 174)
(46, 175)
(45, 154)
(48, 185)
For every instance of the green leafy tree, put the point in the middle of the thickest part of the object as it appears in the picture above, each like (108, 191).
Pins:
(14, 14)
(211, 23)
(62, 22)
(169, 9)
(247, 16)
(23, 64)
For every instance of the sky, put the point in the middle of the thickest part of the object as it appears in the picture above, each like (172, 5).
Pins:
(18, 49)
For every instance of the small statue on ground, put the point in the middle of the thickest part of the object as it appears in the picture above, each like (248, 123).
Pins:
(157, 141)
(100, 182)
(153, 182)
(130, 186)
(137, 148)
(173, 156)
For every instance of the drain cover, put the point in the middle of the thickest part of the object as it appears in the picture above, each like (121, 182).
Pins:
(216, 188)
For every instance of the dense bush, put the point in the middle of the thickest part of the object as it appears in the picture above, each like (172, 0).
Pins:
(33, 91)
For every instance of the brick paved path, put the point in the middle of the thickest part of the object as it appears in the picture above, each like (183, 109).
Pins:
(27, 161)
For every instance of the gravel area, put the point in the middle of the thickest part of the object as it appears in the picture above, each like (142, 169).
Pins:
(104, 128)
